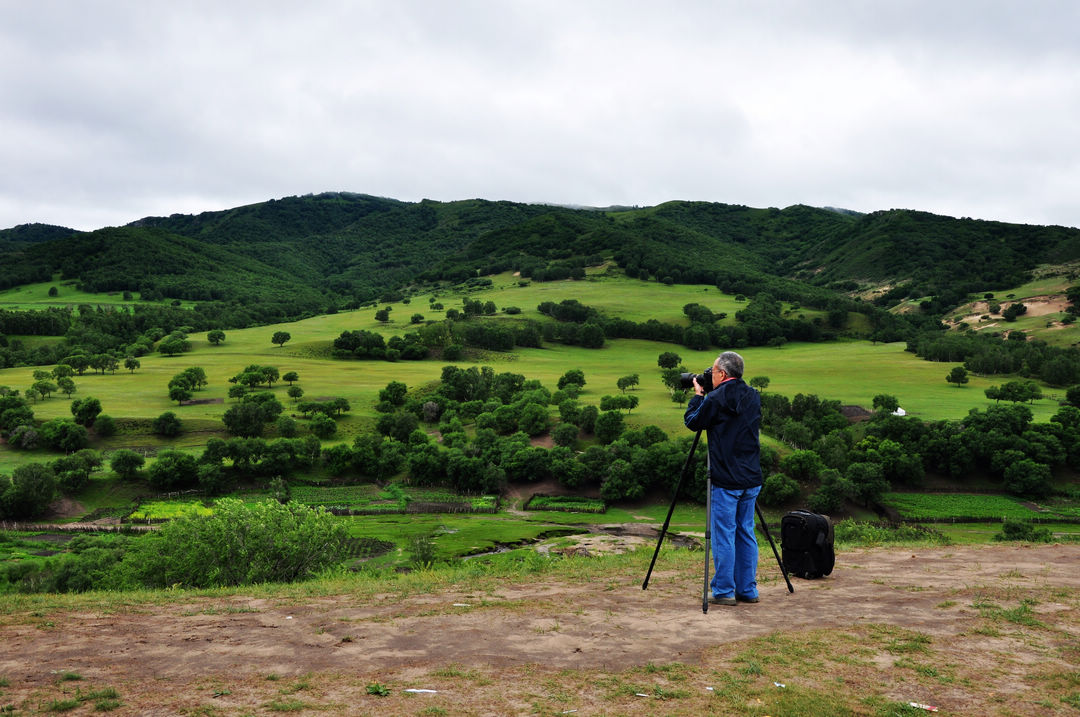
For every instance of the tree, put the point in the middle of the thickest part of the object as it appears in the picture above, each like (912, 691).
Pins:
(394, 393)
(280, 338)
(323, 426)
(759, 382)
(609, 426)
(286, 427)
(245, 419)
(574, 376)
(45, 388)
(1028, 478)
(79, 362)
(294, 392)
(778, 489)
(384, 314)
(131, 363)
(958, 375)
(668, 359)
(126, 463)
(104, 426)
(167, 425)
(196, 377)
(533, 419)
(269, 374)
(85, 410)
(28, 492)
(179, 394)
(564, 434)
(62, 370)
(802, 465)
(173, 469)
(67, 386)
(416, 319)
(627, 382)
(173, 346)
(216, 337)
(291, 377)
(886, 403)
(64, 435)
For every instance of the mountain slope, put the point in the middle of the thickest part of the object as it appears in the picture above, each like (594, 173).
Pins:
(305, 254)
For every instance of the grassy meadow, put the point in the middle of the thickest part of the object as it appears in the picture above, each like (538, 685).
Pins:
(850, 371)
(36, 297)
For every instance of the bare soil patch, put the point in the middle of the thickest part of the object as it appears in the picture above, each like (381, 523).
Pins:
(497, 651)
(203, 401)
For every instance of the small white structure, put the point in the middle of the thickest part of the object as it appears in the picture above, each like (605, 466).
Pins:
(899, 412)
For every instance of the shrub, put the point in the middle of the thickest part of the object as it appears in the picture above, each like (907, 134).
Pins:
(173, 469)
(1020, 530)
(167, 425)
(286, 427)
(126, 463)
(778, 489)
(238, 544)
(564, 434)
(105, 426)
(609, 426)
(28, 491)
(64, 435)
(322, 425)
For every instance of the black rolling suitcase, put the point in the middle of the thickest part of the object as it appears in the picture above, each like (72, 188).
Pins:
(806, 541)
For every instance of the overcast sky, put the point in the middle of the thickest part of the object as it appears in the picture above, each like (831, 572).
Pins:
(111, 111)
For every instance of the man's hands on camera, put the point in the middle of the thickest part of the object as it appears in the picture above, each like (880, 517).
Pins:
(697, 388)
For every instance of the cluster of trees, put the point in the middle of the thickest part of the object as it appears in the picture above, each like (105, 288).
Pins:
(369, 344)
(988, 355)
(19, 427)
(860, 463)
(183, 385)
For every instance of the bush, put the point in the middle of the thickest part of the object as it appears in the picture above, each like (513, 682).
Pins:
(1020, 530)
(27, 492)
(609, 426)
(167, 425)
(105, 426)
(323, 426)
(778, 489)
(238, 545)
(286, 427)
(126, 463)
(173, 470)
(64, 435)
(564, 434)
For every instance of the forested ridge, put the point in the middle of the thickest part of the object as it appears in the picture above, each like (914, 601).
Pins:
(303, 255)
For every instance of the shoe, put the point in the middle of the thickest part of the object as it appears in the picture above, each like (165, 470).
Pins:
(721, 600)
(741, 598)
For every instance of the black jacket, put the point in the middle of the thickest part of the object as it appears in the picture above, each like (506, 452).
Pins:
(731, 417)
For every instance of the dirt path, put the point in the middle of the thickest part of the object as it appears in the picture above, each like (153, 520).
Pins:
(556, 626)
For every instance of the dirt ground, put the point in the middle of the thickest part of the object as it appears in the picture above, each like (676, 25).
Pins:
(513, 647)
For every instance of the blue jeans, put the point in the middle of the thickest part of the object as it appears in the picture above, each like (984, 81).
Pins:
(734, 545)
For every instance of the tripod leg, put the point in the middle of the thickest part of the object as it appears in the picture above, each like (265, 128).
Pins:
(708, 542)
(667, 520)
(765, 529)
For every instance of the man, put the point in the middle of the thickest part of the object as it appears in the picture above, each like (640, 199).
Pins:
(731, 416)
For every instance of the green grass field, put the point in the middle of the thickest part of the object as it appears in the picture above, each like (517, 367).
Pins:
(852, 372)
(36, 297)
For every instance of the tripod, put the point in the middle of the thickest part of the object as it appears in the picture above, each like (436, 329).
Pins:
(708, 532)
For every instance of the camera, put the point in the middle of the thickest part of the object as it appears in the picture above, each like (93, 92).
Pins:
(704, 379)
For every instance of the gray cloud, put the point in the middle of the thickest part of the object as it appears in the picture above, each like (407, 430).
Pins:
(117, 110)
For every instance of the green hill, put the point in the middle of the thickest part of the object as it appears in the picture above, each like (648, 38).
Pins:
(302, 255)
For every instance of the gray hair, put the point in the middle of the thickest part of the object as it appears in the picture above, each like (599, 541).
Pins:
(730, 363)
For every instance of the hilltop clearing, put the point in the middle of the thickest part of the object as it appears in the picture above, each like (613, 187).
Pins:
(972, 630)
